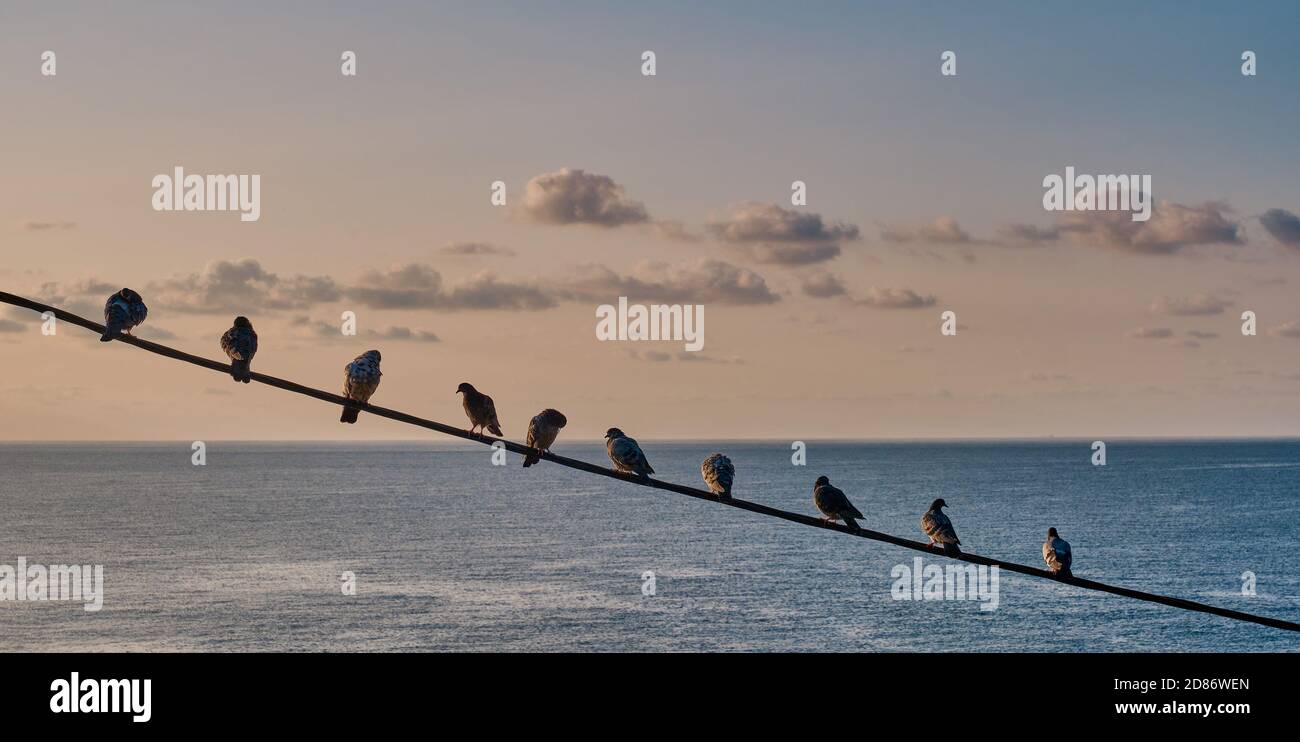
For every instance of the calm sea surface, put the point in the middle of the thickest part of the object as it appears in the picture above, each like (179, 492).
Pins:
(452, 553)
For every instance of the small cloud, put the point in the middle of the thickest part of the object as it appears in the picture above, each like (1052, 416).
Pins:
(39, 226)
(895, 299)
(1194, 306)
(153, 332)
(1283, 226)
(650, 356)
(7, 325)
(1039, 376)
(1199, 335)
(474, 248)
(1289, 330)
(417, 286)
(754, 222)
(914, 349)
(675, 231)
(1027, 235)
(702, 281)
(768, 233)
(698, 357)
(822, 285)
(570, 196)
(1171, 228)
(315, 328)
(1151, 333)
(943, 230)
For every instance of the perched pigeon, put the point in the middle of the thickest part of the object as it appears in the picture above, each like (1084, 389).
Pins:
(240, 344)
(718, 473)
(626, 454)
(834, 504)
(122, 311)
(937, 526)
(542, 431)
(1056, 552)
(478, 406)
(361, 379)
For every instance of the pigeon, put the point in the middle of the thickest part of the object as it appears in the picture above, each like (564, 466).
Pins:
(834, 504)
(542, 431)
(361, 379)
(1056, 552)
(122, 311)
(718, 473)
(937, 526)
(240, 344)
(478, 406)
(626, 454)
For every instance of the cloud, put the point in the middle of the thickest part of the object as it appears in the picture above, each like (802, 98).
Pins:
(1193, 306)
(570, 196)
(753, 222)
(416, 286)
(39, 226)
(767, 233)
(1199, 335)
(315, 328)
(1289, 330)
(895, 299)
(702, 281)
(1171, 228)
(675, 231)
(822, 285)
(474, 248)
(8, 325)
(240, 287)
(944, 230)
(1041, 376)
(1027, 235)
(1283, 225)
(151, 332)
(1151, 333)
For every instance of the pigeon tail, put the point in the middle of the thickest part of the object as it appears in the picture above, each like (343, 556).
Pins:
(851, 523)
(239, 371)
(496, 430)
(109, 332)
(530, 459)
(951, 549)
(349, 415)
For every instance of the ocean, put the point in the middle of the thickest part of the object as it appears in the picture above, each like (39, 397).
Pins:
(452, 553)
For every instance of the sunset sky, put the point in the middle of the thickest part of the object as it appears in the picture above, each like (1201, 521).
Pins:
(822, 321)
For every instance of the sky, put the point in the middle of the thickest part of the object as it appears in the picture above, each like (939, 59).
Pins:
(822, 320)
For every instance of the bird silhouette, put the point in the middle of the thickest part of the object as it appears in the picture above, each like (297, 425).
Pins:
(939, 528)
(719, 474)
(1057, 554)
(479, 408)
(626, 454)
(542, 431)
(122, 311)
(361, 379)
(240, 345)
(834, 504)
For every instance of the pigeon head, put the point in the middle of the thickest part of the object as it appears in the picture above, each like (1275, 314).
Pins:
(1051, 533)
(465, 388)
(243, 322)
(613, 433)
(938, 504)
(822, 480)
(129, 295)
(554, 417)
(373, 355)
